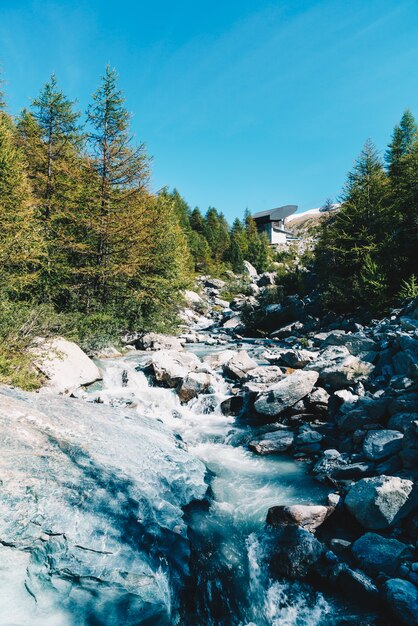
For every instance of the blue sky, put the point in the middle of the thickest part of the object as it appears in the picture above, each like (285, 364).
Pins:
(241, 103)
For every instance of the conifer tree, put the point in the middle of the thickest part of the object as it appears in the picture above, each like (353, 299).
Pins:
(122, 172)
(403, 138)
(356, 234)
(21, 246)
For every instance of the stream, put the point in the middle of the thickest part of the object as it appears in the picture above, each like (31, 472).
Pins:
(229, 583)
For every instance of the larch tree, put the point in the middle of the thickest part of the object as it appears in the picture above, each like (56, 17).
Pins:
(21, 243)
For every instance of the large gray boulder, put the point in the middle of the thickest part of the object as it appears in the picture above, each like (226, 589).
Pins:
(284, 394)
(171, 367)
(402, 598)
(379, 444)
(380, 502)
(265, 374)
(355, 344)
(91, 513)
(338, 368)
(272, 442)
(64, 365)
(249, 269)
(375, 554)
(239, 365)
(194, 384)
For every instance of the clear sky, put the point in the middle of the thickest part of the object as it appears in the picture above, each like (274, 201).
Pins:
(242, 103)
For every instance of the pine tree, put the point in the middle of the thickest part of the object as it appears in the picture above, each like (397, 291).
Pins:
(21, 245)
(122, 171)
(356, 233)
(403, 138)
(2, 94)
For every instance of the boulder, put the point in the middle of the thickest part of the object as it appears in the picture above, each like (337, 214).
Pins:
(296, 552)
(249, 269)
(355, 584)
(217, 359)
(379, 444)
(402, 598)
(266, 278)
(265, 374)
(380, 502)
(272, 442)
(171, 367)
(86, 489)
(356, 344)
(232, 323)
(194, 384)
(158, 341)
(298, 358)
(214, 283)
(375, 554)
(307, 516)
(64, 364)
(284, 394)
(193, 299)
(338, 368)
(401, 421)
(239, 365)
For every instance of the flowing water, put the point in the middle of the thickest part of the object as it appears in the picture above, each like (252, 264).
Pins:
(229, 583)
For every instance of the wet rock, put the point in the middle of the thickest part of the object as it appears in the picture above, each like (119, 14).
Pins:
(232, 405)
(91, 506)
(380, 502)
(217, 359)
(338, 368)
(402, 598)
(355, 584)
(296, 552)
(306, 516)
(379, 444)
(171, 367)
(194, 384)
(239, 365)
(232, 323)
(284, 394)
(375, 554)
(64, 364)
(272, 442)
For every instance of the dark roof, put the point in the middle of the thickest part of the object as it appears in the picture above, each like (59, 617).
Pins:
(276, 214)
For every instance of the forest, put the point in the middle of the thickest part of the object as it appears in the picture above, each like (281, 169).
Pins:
(88, 249)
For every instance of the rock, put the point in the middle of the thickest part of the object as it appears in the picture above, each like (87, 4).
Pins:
(406, 403)
(381, 501)
(296, 552)
(375, 554)
(233, 323)
(305, 516)
(239, 365)
(193, 299)
(158, 341)
(401, 421)
(356, 344)
(402, 598)
(222, 303)
(214, 283)
(317, 399)
(379, 444)
(338, 368)
(308, 436)
(265, 374)
(232, 405)
(217, 359)
(285, 393)
(64, 364)
(194, 384)
(249, 269)
(272, 442)
(86, 491)
(298, 358)
(355, 584)
(171, 367)
(265, 279)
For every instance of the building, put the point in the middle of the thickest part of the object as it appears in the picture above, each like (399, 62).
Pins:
(273, 223)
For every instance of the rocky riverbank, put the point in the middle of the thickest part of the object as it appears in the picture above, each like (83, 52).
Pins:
(93, 499)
